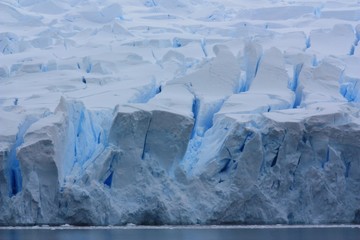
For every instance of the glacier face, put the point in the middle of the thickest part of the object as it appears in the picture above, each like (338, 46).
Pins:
(166, 112)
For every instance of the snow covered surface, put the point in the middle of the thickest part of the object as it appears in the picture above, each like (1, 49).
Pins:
(179, 112)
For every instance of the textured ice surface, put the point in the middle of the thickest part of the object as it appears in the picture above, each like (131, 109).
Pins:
(179, 112)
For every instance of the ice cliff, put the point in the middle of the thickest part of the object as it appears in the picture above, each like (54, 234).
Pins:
(166, 112)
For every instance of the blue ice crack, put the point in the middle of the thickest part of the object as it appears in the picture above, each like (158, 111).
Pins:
(14, 171)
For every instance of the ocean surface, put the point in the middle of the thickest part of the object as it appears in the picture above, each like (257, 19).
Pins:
(183, 233)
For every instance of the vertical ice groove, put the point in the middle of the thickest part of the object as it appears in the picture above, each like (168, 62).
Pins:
(347, 169)
(203, 123)
(84, 141)
(204, 113)
(14, 172)
(93, 131)
(273, 163)
(257, 66)
(110, 172)
(195, 111)
(352, 50)
(91, 138)
(108, 181)
(78, 140)
(243, 144)
(295, 85)
(145, 140)
(99, 138)
(262, 168)
(297, 70)
(212, 112)
(80, 124)
(327, 157)
(252, 58)
(293, 174)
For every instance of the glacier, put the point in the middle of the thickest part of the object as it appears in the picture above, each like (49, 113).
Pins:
(154, 112)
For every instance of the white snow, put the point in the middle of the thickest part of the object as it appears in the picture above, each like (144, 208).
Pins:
(179, 112)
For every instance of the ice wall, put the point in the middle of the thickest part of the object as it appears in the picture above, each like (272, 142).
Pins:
(151, 112)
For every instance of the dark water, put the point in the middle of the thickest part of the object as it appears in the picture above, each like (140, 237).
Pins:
(326, 233)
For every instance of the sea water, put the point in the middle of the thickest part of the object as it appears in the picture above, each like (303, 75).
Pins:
(351, 232)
